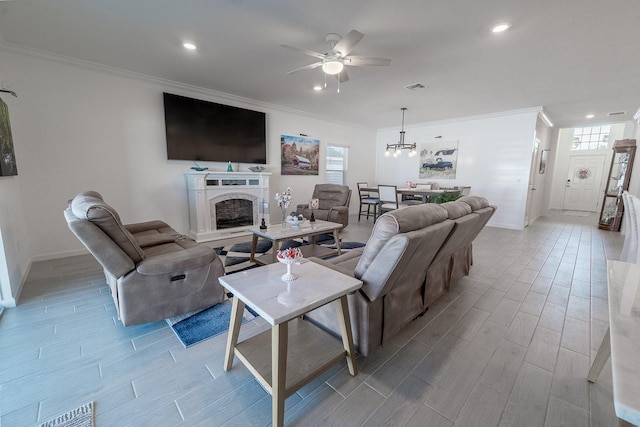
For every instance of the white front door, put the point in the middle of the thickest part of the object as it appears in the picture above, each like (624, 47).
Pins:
(582, 189)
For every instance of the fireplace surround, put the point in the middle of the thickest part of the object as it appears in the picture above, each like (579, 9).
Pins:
(223, 205)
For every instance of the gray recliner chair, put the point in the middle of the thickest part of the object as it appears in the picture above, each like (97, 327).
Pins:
(334, 203)
(153, 271)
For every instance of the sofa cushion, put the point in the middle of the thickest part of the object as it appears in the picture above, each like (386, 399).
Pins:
(331, 195)
(107, 219)
(399, 221)
(476, 202)
(456, 209)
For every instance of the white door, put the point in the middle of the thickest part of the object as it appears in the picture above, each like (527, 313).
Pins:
(582, 189)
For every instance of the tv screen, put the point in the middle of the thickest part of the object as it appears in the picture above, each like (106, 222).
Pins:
(206, 131)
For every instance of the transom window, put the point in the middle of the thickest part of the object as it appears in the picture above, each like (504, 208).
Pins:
(591, 138)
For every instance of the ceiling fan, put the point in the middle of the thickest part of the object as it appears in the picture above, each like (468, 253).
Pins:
(334, 61)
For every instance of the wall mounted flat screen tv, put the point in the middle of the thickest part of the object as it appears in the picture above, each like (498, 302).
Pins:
(205, 131)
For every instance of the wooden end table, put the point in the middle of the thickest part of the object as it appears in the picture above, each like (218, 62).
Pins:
(277, 233)
(300, 351)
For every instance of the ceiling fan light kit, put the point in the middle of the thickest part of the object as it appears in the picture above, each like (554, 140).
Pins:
(395, 150)
(333, 62)
(332, 66)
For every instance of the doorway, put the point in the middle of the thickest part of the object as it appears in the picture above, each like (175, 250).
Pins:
(583, 184)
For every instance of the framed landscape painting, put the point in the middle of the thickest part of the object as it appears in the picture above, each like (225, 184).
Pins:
(7, 155)
(299, 155)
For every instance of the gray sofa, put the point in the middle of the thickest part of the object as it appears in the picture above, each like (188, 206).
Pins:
(411, 258)
(334, 204)
(153, 271)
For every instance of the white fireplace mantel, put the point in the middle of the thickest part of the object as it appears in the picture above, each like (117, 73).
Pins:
(205, 188)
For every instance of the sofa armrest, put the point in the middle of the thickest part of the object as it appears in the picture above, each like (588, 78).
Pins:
(148, 240)
(176, 262)
(332, 266)
(145, 226)
(339, 214)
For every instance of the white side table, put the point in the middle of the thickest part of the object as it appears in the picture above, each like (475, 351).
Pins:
(300, 351)
(622, 340)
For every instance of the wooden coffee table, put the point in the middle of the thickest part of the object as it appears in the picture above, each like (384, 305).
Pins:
(300, 351)
(277, 233)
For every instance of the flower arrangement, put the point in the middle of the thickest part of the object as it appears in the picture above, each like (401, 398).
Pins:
(290, 253)
(284, 200)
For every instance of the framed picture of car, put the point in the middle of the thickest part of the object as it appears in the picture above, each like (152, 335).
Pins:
(438, 160)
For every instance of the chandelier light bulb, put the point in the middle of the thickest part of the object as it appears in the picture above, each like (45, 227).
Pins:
(387, 153)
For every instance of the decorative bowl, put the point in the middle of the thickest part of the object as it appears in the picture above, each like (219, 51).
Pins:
(295, 222)
(289, 257)
(256, 168)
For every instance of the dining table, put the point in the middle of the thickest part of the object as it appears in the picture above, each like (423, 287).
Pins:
(424, 194)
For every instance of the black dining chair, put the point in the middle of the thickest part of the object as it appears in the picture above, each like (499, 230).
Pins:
(367, 200)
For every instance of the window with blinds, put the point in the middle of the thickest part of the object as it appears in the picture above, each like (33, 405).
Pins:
(336, 165)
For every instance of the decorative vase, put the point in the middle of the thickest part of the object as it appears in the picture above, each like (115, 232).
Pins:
(289, 257)
(289, 276)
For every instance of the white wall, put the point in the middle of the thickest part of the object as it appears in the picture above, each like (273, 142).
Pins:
(80, 126)
(494, 156)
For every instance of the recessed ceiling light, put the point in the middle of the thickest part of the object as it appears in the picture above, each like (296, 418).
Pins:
(189, 46)
(589, 116)
(501, 27)
(317, 87)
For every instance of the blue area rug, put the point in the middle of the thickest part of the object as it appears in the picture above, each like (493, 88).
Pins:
(193, 328)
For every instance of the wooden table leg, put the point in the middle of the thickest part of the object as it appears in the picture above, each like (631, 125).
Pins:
(254, 245)
(237, 309)
(336, 237)
(342, 308)
(279, 340)
(274, 251)
(603, 354)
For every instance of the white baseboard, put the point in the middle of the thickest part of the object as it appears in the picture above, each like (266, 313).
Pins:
(57, 255)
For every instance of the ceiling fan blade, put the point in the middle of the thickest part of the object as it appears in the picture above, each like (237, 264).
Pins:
(360, 61)
(343, 76)
(347, 43)
(304, 51)
(306, 67)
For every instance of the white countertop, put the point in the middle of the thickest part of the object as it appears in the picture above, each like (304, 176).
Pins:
(624, 325)
(277, 301)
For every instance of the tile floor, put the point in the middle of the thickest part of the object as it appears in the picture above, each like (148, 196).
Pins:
(510, 345)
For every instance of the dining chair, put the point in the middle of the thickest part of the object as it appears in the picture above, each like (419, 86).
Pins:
(366, 201)
(389, 198)
(464, 191)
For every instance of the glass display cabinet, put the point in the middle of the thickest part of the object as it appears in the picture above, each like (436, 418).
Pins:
(624, 151)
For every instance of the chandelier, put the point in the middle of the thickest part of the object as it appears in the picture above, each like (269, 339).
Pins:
(396, 149)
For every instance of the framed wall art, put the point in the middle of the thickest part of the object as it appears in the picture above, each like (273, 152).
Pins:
(299, 155)
(7, 155)
(438, 160)
(544, 157)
